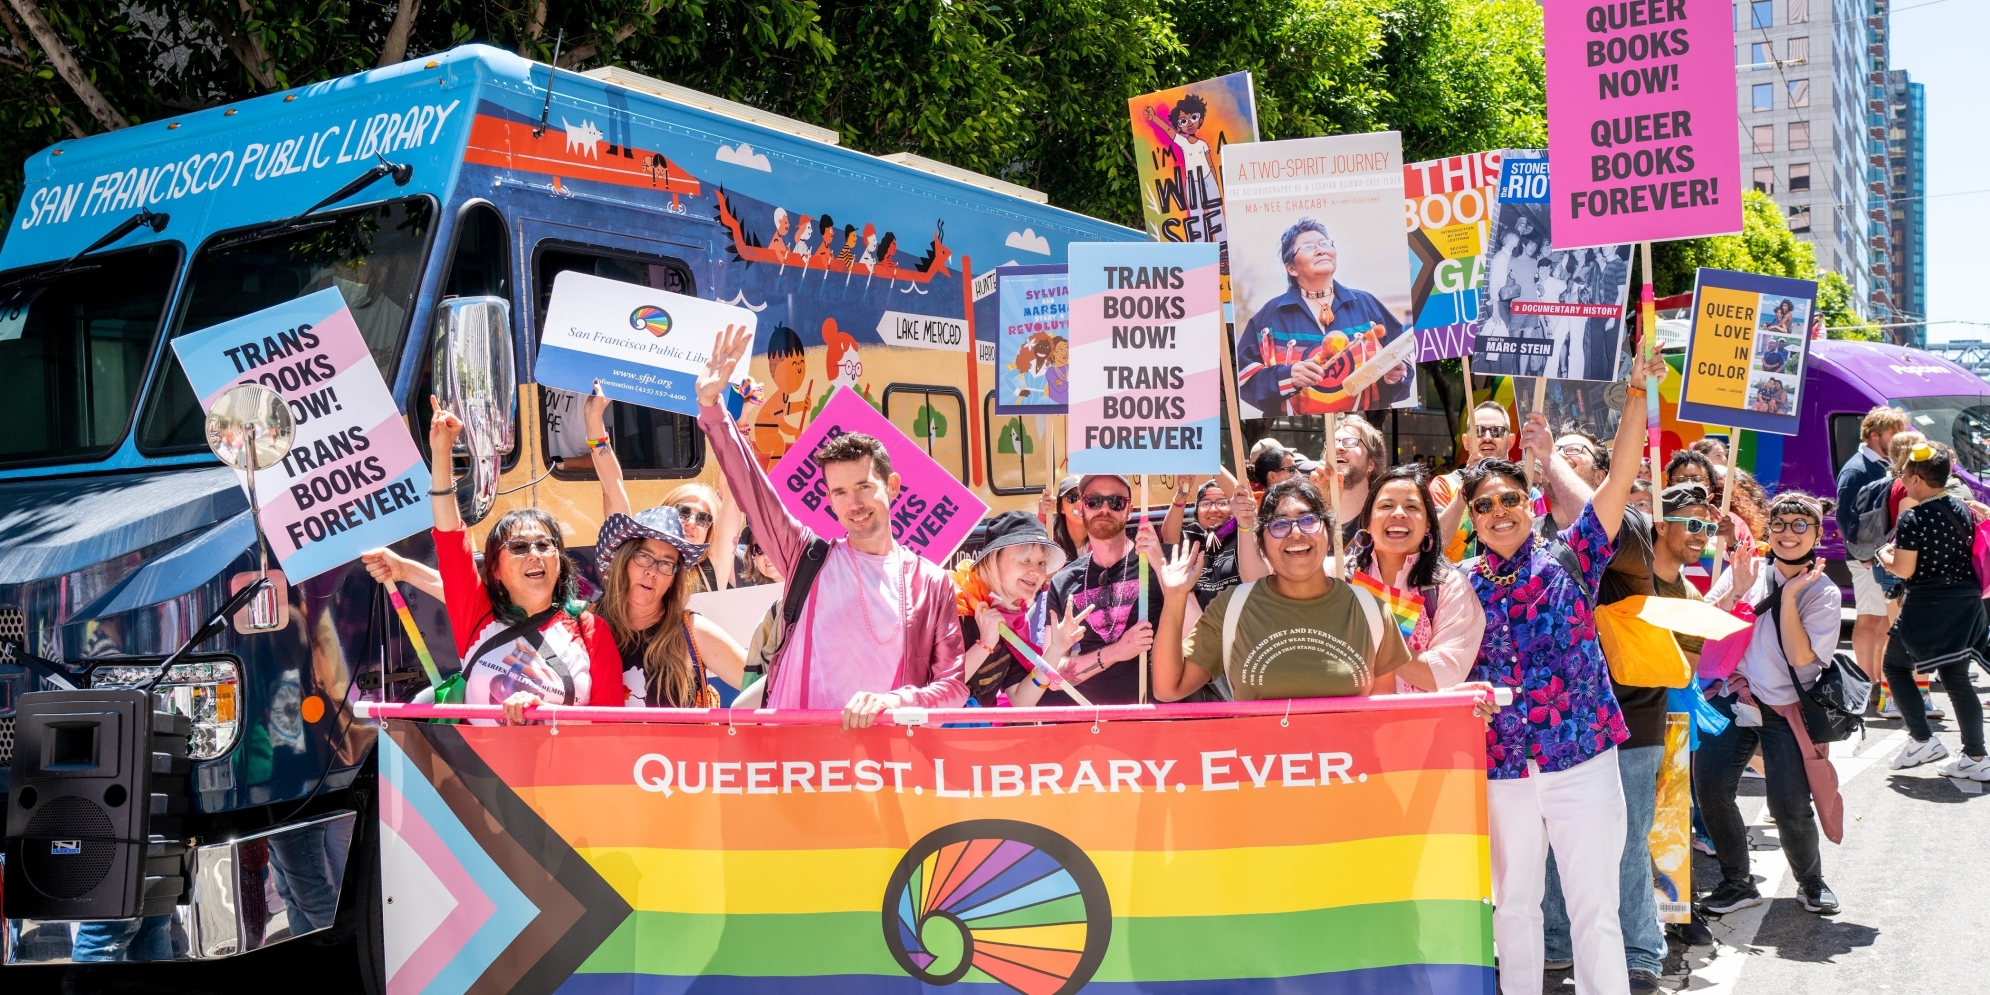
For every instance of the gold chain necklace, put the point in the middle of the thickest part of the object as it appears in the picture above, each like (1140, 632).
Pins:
(1518, 562)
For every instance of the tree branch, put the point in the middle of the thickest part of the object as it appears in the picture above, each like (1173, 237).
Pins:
(535, 28)
(395, 48)
(246, 48)
(66, 66)
(581, 53)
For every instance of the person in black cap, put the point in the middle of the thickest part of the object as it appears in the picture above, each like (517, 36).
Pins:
(647, 566)
(1001, 597)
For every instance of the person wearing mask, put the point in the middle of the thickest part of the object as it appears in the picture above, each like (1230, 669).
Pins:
(1398, 548)
(1552, 778)
(1105, 578)
(667, 649)
(521, 630)
(1689, 467)
(1492, 438)
(1869, 628)
(1005, 587)
(1214, 528)
(1942, 628)
(705, 520)
(1063, 516)
(1795, 633)
(879, 629)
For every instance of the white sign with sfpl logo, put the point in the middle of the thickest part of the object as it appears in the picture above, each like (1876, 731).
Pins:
(645, 346)
(923, 331)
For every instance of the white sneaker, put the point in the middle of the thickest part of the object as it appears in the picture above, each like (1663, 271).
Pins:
(1890, 710)
(1964, 767)
(1915, 754)
(1934, 710)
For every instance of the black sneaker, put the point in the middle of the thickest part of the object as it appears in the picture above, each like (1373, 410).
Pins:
(1644, 982)
(1731, 896)
(1692, 934)
(1819, 899)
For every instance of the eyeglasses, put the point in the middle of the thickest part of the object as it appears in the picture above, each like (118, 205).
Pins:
(1509, 499)
(1490, 431)
(1116, 502)
(753, 549)
(1574, 449)
(1796, 525)
(1215, 502)
(1698, 526)
(535, 547)
(1313, 245)
(1279, 528)
(644, 561)
(692, 516)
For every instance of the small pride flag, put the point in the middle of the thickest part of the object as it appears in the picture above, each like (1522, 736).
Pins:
(1404, 605)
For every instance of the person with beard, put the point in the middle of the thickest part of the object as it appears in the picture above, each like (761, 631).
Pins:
(1106, 579)
(1360, 455)
(1492, 438)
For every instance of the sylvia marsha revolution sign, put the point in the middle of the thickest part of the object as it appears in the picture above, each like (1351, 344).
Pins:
(1745, 358)
(1207, 855)
(1146, 324)
(1448, 209)
(1641, 120)
(353, 479)
(643, 345)
(1178, 140)
(933, 513)
(1033, 341)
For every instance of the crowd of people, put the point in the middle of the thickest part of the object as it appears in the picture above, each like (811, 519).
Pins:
(1248, 595)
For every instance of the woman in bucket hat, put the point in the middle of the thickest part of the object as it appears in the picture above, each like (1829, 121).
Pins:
(1003, 588)
(647, 572)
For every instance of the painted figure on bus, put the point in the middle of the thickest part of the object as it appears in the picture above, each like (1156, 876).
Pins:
(779, 243)
(844, 363)
(779, 421)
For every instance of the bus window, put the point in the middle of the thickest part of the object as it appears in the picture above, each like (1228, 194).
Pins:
(372, 254)
(649, 443)
(76, 356)
(1015, 449)
(935, 417)
(1845, 439)
(479, 266)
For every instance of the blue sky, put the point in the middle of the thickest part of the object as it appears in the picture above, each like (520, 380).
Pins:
(1940, 44)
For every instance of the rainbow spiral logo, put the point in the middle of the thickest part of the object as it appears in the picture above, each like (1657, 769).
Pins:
(652, 319)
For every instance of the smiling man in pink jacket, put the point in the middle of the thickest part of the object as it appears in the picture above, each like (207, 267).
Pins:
(880, 629)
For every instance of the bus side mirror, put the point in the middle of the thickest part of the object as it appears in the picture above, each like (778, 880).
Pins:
(476, 378)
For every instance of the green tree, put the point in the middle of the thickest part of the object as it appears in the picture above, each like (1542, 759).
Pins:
(1841, 319)
(1764, 246)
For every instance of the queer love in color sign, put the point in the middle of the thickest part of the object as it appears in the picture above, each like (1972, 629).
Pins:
(1146, 321)
(1745, 359)
(353, 479)
(933, 513)
(643, 345)
(1641, 133)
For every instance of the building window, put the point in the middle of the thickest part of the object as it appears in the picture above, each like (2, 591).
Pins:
(1796, 11)
(1761, 14)
(1799, 92)
(1799, 176)
(1799, 218)
(1765, 179)
(1799, 135)
(1765, 137)
(1796, 51)
(1761, 55)
(1762, 97)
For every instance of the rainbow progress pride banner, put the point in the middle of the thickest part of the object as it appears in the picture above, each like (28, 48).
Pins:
(1343, 852)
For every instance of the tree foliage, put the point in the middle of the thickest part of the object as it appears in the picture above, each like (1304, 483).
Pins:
(1033, 91)
(1765, 246)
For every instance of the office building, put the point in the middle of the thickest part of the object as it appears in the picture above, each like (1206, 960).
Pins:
(1906, 151)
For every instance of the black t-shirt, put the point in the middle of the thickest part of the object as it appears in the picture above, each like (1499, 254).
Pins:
(1942, 531)
(1219, 564)
(1000, 670)
(1628, 574)
(1115, 590)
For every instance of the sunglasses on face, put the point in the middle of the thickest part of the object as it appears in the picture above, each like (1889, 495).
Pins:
(1490, 431)
(1279, 528)
(1116, 502)
(1509, 499)
(644, 561)
(1697, 526)
(754, 549)
(535, 547)
(1796, 525)
(692, 516)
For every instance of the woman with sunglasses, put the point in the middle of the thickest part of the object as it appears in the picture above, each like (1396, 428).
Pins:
(667, 649)
(1064, 515)
(1552, 776)
(1794, 637)
(521, 630)
(706, 520)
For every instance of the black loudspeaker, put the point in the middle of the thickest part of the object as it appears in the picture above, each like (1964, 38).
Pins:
(98, 797)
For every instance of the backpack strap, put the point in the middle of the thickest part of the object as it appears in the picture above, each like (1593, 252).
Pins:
(1573, 567)
(1231, 613)
(528, 630)
(1373, 609)
(814, 555)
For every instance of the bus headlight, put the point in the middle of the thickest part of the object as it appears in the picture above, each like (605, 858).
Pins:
(205, 692)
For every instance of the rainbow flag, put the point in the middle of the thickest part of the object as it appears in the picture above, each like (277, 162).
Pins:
(1403, 606)
(1344, 853)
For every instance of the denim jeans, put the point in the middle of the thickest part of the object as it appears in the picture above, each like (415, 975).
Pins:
(1899, 671)
(1717, 769)
(153, 938)
(1637, 907)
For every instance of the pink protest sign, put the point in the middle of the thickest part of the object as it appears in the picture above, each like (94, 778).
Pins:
(1642, 144)
(933, 513)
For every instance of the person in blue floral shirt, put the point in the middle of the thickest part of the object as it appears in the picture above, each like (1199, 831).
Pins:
(1552, 776)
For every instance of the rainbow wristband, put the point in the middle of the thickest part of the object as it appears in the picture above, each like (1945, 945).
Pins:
(601, 443)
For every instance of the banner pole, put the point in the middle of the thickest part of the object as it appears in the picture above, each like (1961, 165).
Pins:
(1229, 362)
(1540, 405)
(1648, 328)
(1333, 493)
(1143, 586)
(1467, 427)
(1721, 549)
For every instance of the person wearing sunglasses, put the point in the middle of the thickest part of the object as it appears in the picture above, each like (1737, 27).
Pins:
(1551, 774)
(705, 518)
(1064, 516)
(521, 630)
(1106, 579)
(668, 651)
(1795, 634)
(1492, 438)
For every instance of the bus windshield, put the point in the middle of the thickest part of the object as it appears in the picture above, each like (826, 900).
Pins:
(75, 357)
(373, 255)
(1962, 422)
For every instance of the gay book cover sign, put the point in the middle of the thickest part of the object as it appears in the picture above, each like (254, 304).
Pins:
(1146, 388)
(1542, 311)
(1745, 355)
(1033, 341)
(1641, 120)
(1179, 137)
(1319, 276)
(1447, 210)
(1327, 854)
(644, 346)
(353, 479)
(933, 512)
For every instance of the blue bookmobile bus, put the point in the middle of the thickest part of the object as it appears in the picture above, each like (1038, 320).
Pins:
(243, 813)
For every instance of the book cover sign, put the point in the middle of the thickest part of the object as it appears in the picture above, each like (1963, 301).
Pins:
(1745, 356)
(1448, 210)
(1179, 137)
(1033, 341)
